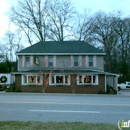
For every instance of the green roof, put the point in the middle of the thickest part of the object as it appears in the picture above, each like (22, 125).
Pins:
(60, 47)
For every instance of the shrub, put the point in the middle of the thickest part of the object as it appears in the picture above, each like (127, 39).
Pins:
(101, 92)
(17, 90)
(108, 89)
(13, 87)
(111, 90)
(7, 90)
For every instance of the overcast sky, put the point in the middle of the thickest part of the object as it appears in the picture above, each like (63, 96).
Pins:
(91, 5)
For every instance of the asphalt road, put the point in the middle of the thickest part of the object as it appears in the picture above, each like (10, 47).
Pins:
(64, 107)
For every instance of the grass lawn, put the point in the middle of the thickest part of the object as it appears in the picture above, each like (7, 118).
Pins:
(15, 125)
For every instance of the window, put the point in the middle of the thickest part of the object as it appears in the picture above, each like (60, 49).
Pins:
(52, 80)
(87, 79)
(32, 79)
(50, 61)
(27, 61)
(90, 61)
(36, 60)
(75, 60)
(80, 79)
(59, 80)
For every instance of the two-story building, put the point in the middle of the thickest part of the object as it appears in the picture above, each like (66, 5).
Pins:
(62, 67)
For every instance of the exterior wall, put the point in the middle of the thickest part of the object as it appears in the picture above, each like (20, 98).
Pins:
(73, 88)
(92, 89)
(61, 62)
(25, 88)
(100, 63)
(112, 81)
(35, 66)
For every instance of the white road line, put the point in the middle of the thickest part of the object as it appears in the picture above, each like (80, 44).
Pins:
(54, 103)
(59, 111)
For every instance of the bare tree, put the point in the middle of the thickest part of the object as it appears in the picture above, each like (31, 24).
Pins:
(30, 17)
(61, 14)
(44, 20)
(2, 54)
(123, 31)
(45, 79)
(104, 33)
(12, 44)
(84, 27)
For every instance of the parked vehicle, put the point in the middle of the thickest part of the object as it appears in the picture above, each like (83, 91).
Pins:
(125, 85)
(6, 80)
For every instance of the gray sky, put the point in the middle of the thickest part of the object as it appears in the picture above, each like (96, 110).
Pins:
(91, 5)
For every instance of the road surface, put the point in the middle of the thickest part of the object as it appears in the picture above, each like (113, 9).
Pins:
(64, 107)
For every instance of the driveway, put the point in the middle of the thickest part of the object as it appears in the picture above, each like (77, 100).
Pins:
(125, 92)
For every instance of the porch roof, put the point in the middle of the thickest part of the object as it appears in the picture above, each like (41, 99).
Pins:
(62, 71)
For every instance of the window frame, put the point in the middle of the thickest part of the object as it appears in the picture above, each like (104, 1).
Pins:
(50, 61)
(36, 60)
(91, 58)
(27, 63)
(76, 61)
(81, 79)
(25, 79)
(55, 79)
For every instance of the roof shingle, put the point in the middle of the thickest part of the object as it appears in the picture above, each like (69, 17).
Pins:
(61, 47)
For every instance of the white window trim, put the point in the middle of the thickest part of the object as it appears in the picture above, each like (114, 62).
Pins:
(54, 84)
(96, 76)
(22, 80)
